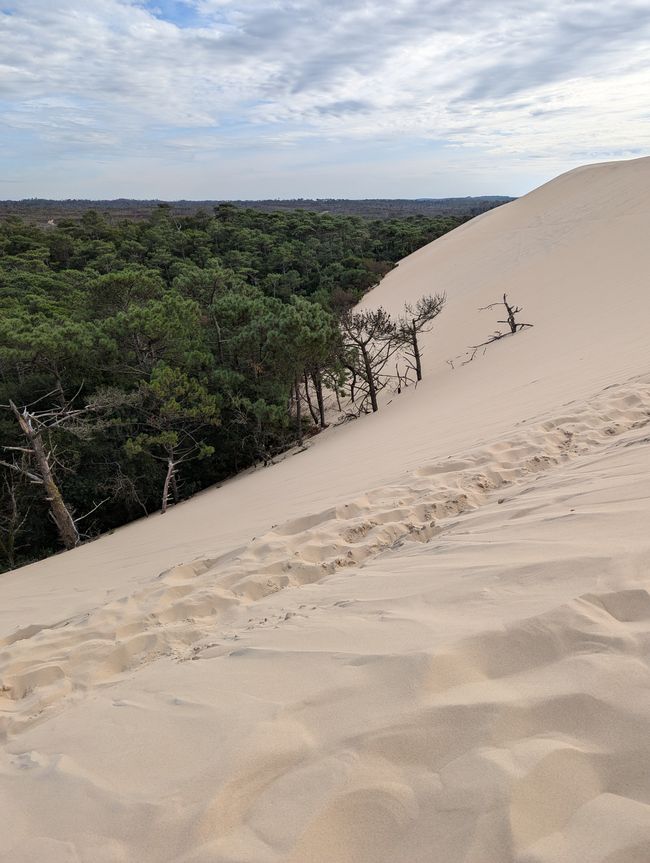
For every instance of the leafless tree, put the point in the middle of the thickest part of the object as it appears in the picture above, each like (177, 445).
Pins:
(514, 326)
(39, 464)
(37, 460)
(511, 311)
(415, 320)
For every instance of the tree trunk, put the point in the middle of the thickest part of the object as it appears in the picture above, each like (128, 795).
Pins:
(313, 413)
(338, 399)
(174, 485)
(372, 391)
(353, 384)
(171, 469)
(416, 353)
(511, 314)
(318, 386)
(64, 521)
(298, 411)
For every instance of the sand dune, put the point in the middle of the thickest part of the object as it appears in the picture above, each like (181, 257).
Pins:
(425, 638)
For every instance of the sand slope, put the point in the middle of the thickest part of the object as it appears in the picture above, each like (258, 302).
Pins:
(426, 638)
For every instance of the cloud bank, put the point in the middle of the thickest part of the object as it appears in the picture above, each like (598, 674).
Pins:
(243, 98)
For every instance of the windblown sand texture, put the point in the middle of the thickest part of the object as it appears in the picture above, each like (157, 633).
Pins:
(427, 638)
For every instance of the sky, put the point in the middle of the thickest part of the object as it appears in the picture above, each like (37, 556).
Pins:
(214, 99)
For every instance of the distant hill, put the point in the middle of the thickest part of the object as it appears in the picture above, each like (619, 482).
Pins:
(41, 210)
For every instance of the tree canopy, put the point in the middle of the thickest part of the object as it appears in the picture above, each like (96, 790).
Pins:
(192, 346)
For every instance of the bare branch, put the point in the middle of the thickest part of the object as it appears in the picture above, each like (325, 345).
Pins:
(91, 511)
(31, 476)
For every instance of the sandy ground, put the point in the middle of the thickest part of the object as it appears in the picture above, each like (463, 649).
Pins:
(425, 638)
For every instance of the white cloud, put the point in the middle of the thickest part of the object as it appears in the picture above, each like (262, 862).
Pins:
(540, 79)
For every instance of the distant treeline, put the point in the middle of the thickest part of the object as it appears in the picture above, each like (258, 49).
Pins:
(40, 210)
(141, 361)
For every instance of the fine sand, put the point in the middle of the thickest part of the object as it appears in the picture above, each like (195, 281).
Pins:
(426, 638)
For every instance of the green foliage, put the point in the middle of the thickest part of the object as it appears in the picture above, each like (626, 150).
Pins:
(166, 329)
(176, 408)
(185, 336)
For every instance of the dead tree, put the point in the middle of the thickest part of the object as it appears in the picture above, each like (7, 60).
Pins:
(415, 320)
(38, 457)
(511, 311)
(35, 426)
(514, 326)
(370, 339)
